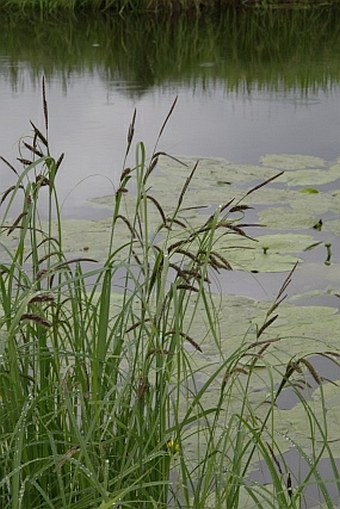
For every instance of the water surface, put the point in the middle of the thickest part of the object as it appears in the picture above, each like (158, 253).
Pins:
(248, 83)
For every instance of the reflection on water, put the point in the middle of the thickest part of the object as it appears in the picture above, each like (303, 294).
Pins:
(296, 50)
(248, 83)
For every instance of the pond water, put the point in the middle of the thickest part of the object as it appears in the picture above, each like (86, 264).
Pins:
(248, 83)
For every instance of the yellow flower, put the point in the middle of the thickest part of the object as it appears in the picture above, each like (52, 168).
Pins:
(172, 446)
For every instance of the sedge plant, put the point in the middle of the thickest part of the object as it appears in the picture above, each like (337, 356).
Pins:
(101, 401)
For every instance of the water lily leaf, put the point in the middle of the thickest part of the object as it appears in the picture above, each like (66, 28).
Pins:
(335, 167)
(271, 253)
(283, 216)
(298, 209)
(210, 172)
(297, 331)
(92, 237)
(260, 262)
(333, 225)
(294, 422)
(335, 201)
(292, 161)
(310, 177)
(285, 242)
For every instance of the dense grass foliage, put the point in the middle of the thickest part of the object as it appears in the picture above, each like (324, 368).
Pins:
(101, 400)
(52, 6)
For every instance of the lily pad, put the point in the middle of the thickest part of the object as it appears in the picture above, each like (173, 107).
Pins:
(292, 161)
(271, 253)
(302, 328)
(312, 177)
(285, 216)
(285, 242)
(333, 225)
(294, 422)
(91, 238)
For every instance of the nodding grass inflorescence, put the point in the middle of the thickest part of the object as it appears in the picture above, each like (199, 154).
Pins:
(110, 390)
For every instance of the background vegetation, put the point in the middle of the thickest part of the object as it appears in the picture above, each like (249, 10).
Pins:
(290, 49)
(52, 6)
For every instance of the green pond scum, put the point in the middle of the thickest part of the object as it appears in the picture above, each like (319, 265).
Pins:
(125, 381)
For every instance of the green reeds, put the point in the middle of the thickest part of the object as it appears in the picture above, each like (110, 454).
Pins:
(299, 53)
(118, 6)
(52, 6)
(102, 403)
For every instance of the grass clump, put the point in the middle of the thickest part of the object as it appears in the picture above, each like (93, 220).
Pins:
(116, 6)
(47, 7)
(106, 399)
